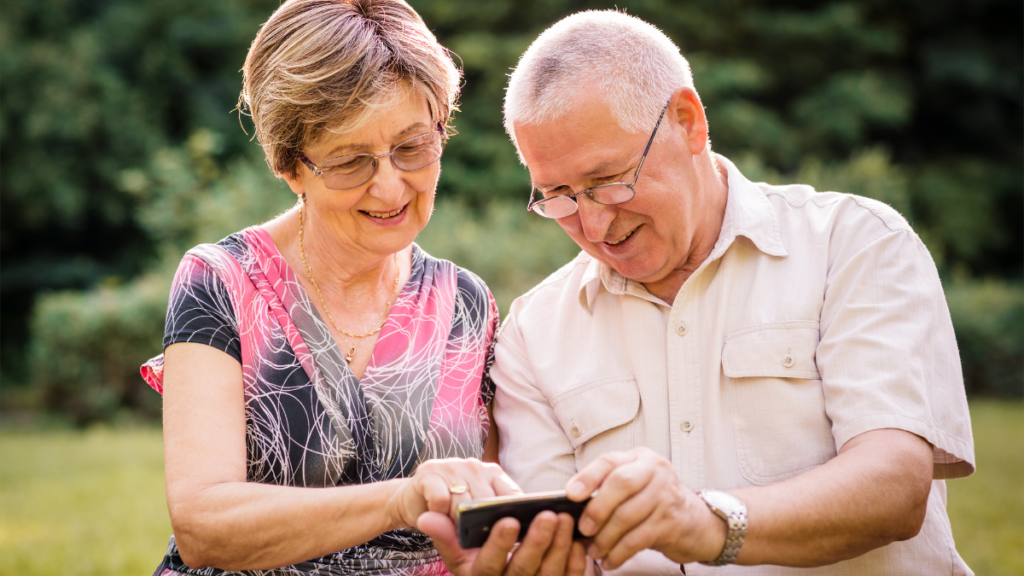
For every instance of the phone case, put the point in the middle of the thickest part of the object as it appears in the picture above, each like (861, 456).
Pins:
(476, 517)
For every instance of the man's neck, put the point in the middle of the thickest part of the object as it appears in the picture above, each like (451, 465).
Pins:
(705, 237)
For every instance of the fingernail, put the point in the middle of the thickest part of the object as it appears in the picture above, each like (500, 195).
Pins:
(586, 526)
(509, 532)
(577, 490)
(593, 552)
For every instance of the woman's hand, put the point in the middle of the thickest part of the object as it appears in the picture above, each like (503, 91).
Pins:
(439, 486)
(547, 548)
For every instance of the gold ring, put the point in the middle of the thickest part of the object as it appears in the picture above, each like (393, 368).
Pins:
(457, 488)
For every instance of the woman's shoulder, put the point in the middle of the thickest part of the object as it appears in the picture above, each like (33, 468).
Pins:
(468, 282)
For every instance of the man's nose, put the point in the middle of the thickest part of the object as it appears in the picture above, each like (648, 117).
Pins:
(596, 218)
(386, 185)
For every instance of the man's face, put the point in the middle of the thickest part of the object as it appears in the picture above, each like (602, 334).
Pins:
(646, 238)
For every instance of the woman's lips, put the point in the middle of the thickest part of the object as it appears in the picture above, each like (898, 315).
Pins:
(384, 215)
(387, 217)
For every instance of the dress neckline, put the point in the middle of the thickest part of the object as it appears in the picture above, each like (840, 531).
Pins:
(267, 244)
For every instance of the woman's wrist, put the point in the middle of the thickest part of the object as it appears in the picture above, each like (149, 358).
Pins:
(395, 505)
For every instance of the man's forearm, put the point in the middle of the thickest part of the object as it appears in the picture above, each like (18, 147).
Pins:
(873, 493)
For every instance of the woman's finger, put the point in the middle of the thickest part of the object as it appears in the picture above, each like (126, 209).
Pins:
(494, 553)
(441, 530)
(503, 485)
(436, 493)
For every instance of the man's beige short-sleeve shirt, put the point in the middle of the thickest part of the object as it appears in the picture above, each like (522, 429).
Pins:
(817, 317)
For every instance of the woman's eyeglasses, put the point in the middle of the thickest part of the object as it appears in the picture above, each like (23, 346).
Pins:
(354, 170)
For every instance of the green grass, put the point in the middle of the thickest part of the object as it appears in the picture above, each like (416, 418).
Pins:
(987, 509)
(82, 504)
(78, 504)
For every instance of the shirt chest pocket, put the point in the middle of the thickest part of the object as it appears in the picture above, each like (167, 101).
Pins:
(599, 416)
(778, 404)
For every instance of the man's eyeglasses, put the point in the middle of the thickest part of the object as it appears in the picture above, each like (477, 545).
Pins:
(354, 170)
(562, 205)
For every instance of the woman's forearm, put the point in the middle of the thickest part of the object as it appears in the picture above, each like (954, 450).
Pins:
(245, 525)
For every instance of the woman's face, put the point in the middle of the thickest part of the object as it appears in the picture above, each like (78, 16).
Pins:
(385, 214)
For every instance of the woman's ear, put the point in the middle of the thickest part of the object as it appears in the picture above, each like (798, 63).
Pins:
(294, 182)
(687, 113)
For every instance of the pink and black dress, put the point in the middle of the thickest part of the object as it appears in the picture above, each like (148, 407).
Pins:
(309, 421)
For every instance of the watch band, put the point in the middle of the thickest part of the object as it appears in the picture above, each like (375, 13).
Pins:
(735, 517)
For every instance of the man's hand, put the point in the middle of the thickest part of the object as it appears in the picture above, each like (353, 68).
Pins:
(642, 504)
(547, 549)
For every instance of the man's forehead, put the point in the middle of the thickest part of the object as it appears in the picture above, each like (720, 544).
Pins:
(554, 154)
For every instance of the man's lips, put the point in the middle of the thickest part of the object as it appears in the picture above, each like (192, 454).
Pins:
(622, 238)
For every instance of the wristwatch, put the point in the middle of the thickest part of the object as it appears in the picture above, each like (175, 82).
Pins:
(734, 512)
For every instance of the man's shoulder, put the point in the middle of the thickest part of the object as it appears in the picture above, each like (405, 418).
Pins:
(557, 294)
(797, 204)
(565, 280)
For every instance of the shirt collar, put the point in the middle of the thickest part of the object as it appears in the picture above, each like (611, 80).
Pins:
(748, 213)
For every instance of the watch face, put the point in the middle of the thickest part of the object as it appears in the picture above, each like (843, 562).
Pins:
(723, 501)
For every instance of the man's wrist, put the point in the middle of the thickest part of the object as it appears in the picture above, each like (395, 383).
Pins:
(733, 513)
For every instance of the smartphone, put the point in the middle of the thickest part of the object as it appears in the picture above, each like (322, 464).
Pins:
(475, 518)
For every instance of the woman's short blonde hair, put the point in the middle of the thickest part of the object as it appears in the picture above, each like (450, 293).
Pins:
(321, 67)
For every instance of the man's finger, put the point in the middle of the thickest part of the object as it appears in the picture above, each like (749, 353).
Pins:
(578, 560)
(634, 541)
(584, 482)
(624, 517)
(620, 485)
(494, 553)
(557, 557)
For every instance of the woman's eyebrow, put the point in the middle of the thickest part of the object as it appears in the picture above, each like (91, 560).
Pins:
(412, 129)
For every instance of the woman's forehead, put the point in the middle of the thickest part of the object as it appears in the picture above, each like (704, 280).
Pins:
(401, 118)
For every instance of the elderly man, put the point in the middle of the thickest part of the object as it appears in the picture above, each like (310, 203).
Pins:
(750, 374)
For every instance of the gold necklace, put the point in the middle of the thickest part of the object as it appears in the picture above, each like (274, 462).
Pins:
(383, 315)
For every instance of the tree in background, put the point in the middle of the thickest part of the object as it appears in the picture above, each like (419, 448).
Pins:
(120, 151)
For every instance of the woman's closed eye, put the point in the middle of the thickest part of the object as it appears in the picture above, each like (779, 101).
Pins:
(347, 164)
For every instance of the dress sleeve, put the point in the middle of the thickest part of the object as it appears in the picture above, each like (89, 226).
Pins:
(200, 309)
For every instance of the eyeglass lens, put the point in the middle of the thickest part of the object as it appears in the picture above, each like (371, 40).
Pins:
(354, 170)
(562, 206)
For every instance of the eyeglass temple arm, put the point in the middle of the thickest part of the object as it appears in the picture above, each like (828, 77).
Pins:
(636, 175)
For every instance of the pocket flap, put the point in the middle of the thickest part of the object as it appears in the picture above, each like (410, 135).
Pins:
(778, 349)
(586, 411)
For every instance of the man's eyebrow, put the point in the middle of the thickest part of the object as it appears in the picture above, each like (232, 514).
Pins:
(601, 170)
(411, 130)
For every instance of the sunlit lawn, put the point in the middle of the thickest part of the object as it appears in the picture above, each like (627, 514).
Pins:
(93, 503)
(82, 504)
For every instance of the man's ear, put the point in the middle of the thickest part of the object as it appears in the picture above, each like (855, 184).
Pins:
(686, 111)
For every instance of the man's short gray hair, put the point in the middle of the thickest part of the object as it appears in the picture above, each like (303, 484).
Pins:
(635, 66)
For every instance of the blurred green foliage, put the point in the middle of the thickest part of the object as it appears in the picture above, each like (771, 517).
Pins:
(120, 151)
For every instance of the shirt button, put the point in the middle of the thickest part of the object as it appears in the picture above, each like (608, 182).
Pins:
(787, 361)
(686, 426)
(575, 431)
(681, 329)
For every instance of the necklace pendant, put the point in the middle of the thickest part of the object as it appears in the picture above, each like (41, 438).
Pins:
(351, 354)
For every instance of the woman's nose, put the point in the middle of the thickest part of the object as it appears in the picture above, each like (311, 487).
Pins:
(387, 184)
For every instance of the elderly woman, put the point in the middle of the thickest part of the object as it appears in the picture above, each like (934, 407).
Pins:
(325, 380)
